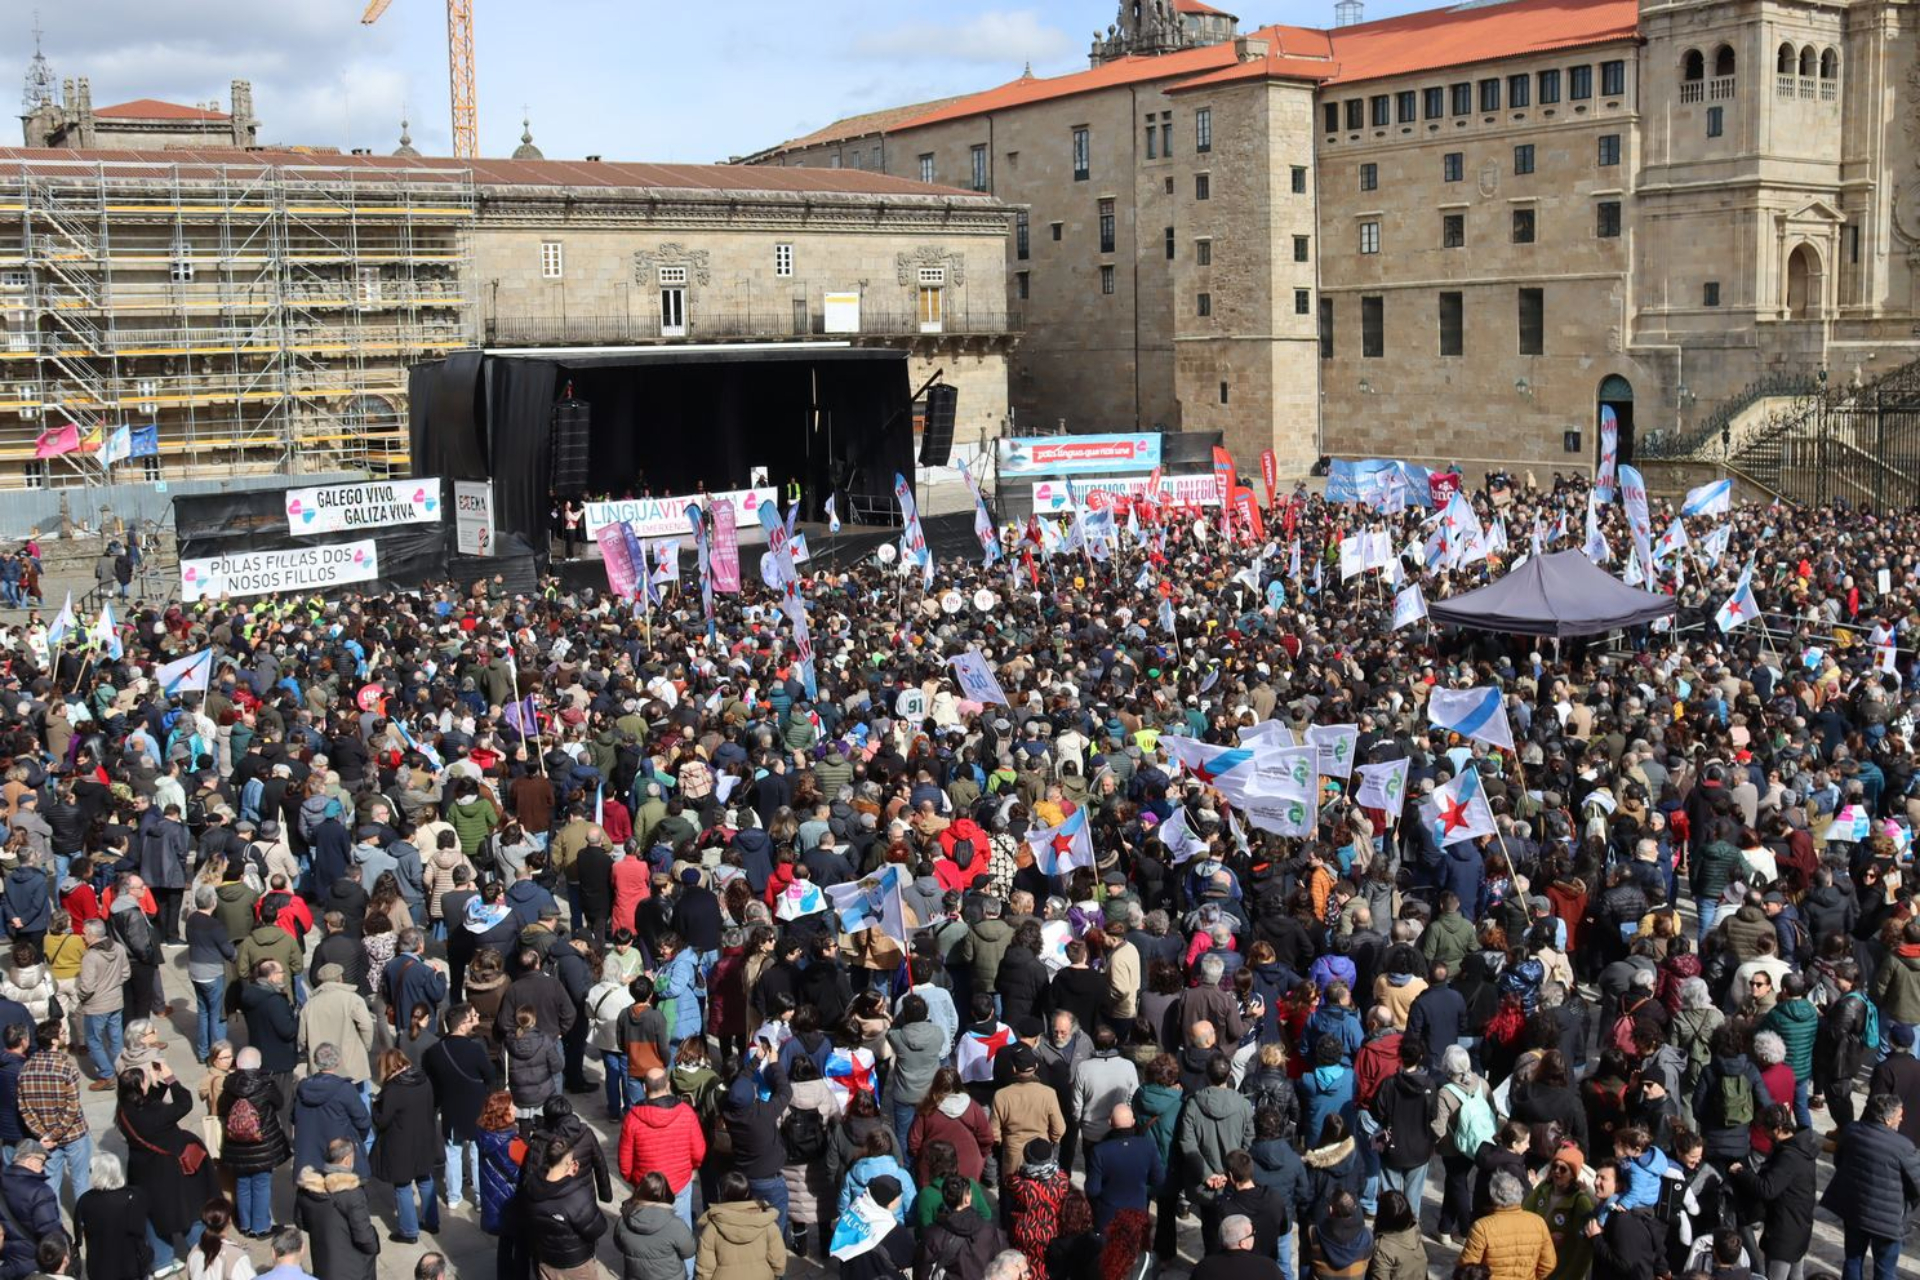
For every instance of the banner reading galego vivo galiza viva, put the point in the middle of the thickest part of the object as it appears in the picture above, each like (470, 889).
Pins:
(259, 573)
(332, 508)
(667, 517)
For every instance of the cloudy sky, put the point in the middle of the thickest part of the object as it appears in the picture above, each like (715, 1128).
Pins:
(627, 79)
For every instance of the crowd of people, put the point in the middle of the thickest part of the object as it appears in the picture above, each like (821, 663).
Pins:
(572, 970)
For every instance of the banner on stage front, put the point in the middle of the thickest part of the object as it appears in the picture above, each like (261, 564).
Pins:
(667, 517)
(1078, 455)
(259, 573)
(726, 549)
(1059, 497)
(473, 517)
(336, 507)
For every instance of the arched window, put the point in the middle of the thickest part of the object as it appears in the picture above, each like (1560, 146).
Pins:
(1803, 283)
(1829, 65)
(1809, 62)
(1693, 66)
(1723, 60)
(1787, 60)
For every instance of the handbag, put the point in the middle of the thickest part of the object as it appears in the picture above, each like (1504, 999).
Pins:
(190, 1157)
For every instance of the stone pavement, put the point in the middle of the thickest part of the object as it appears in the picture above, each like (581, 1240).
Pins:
(472, 1251)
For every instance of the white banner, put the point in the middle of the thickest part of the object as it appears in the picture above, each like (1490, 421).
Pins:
(977, 682)
(667, 517)
(259, 573)
(1061, 496)
(1280, 816)
(1335, 743)
(335, 507)
(473, 517)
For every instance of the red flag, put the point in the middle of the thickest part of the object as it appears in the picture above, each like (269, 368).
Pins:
(1153, 484)
(1250, 512)
(1026, 557)
(1290, 516)
(1223, 475)
(51, 444)
(1269, 473)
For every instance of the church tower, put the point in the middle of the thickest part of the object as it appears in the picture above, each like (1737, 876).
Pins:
(1147, 28)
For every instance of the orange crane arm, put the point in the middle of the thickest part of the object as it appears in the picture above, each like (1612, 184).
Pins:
(374, 10)
(462, 77)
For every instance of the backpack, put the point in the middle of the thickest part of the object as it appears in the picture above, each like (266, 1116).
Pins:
(1620, 1034)
(804, 1134)
(1473, 1123)
(963, 854)
(1736, 1101)
(243, 1122)
(1870, 1033)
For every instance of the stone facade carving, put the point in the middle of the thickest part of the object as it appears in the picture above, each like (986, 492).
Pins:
(908, 265)
(648, 261)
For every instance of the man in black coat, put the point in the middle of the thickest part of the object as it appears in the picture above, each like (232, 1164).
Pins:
(1899, 1075)
(1265, 1208)
(542, 992)
(594, 867)
(754, 1126)
(1783, 1185)
(696, 918)
(1404, 1105)
(1439, 1016)
(462, 1074)
(1876, 1183)
(342, 948)
(272, 1026)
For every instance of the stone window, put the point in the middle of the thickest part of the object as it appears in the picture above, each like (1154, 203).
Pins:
(1580, 82)
(1434, 102)
(1302, 302)
(783, 261)
(1523, 158)
(1519, 90)
(1023, 284)
(1369, 177)
(1203, 130)
(1490, 94)
(1153, 138)
(1082, 154)
(1523, 226)
(1326, 328)
(1106, 226)
(1203, 305)
(1223, 393)
(1453, 230)
(1406, 105)
(1381, 110)
(1533, 322)
(1299, 179)
(1453, 166)
(1202, 187)
(1166, 134)
(1716, 121)
(1693, 66)
(1723, 61)
(1171, 251)
(1330, 117)
(926, 168)
(553, 260)
(1373, 327)
(1300, 247)
(1550, 87)
(1609, 150)
(1463, 99)
(1710, 294)
(1203, 253)
(1452, 341)
(1056, 231)
(1022, 245)
(1106, 280)
(980, 168)
(1356, 113)
(1613, 78)
(1369, 237)
(1607, 219)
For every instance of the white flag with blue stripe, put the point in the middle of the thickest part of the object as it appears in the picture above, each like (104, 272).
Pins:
(1479, 714)
(1714, 545)
(833, 517)
(62, 623)
(105, 635)
(1058, 850)
(1740, 607)
(190, 674)
(1715, 499)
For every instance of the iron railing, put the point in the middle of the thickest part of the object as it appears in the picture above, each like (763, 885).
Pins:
(1859, 445)
(1675, 444)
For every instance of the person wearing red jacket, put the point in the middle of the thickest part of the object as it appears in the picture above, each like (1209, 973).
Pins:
(967, 870)
(662, 1134)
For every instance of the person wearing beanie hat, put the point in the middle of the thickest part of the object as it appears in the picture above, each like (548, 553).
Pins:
(1567, 1205)
(1035, 1193)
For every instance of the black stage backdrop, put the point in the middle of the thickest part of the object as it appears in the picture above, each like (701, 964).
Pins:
(668, 419)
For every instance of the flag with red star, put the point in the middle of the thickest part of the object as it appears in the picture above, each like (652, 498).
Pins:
(1058, 850)
(1458, 811)
(1740, 607)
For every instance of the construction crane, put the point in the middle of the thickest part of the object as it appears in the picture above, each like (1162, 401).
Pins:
(460, 72)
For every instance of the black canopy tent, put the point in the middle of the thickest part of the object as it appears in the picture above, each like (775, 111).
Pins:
(1563, 594)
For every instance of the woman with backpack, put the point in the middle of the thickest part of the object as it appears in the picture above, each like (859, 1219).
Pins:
(533, 1064)
(1462, 1121)
(1729, 1096)
(961, 1241)
(1849, 1030)
(253, 1140)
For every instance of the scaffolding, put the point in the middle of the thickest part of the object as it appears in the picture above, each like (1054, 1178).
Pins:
(262, 316)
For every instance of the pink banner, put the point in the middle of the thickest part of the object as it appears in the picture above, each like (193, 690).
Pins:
(726, 549)
(622, 575)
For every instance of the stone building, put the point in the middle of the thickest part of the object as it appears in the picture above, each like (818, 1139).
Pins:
(260, 308)
(144, 124)
(1490, 219)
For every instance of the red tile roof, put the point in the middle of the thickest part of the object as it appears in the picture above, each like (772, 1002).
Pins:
(154, 109)
(1436, 38)
(511, 173)
(1200, 10)
(860, 126)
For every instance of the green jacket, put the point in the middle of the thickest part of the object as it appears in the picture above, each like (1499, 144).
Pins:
(1796, 1022)
(471, 820)
(1568, 1227)
(1719, 863)
(1896, 988)
(1448, 940)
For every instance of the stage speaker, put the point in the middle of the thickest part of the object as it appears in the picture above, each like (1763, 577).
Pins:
(936, 440)
(569, 443)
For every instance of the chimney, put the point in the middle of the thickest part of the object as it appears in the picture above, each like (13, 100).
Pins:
(1248, 49)
(245, 127)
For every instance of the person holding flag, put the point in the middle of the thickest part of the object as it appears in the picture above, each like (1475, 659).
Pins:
(1740, 608)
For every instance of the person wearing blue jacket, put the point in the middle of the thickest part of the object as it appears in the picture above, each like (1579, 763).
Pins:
(1122, 1168)
(27, 901)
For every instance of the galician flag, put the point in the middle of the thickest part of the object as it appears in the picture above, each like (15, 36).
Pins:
(105, 635)
(1058, 850)
(62, 624)
(1220, 767)
(1479, 714)
(1458, 811)
(190, 674)
(833, 517)
(872, 902)
(1740, 607)
(1382, 786)
(1673, 540)
(1714, 499)
(1409, 607)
